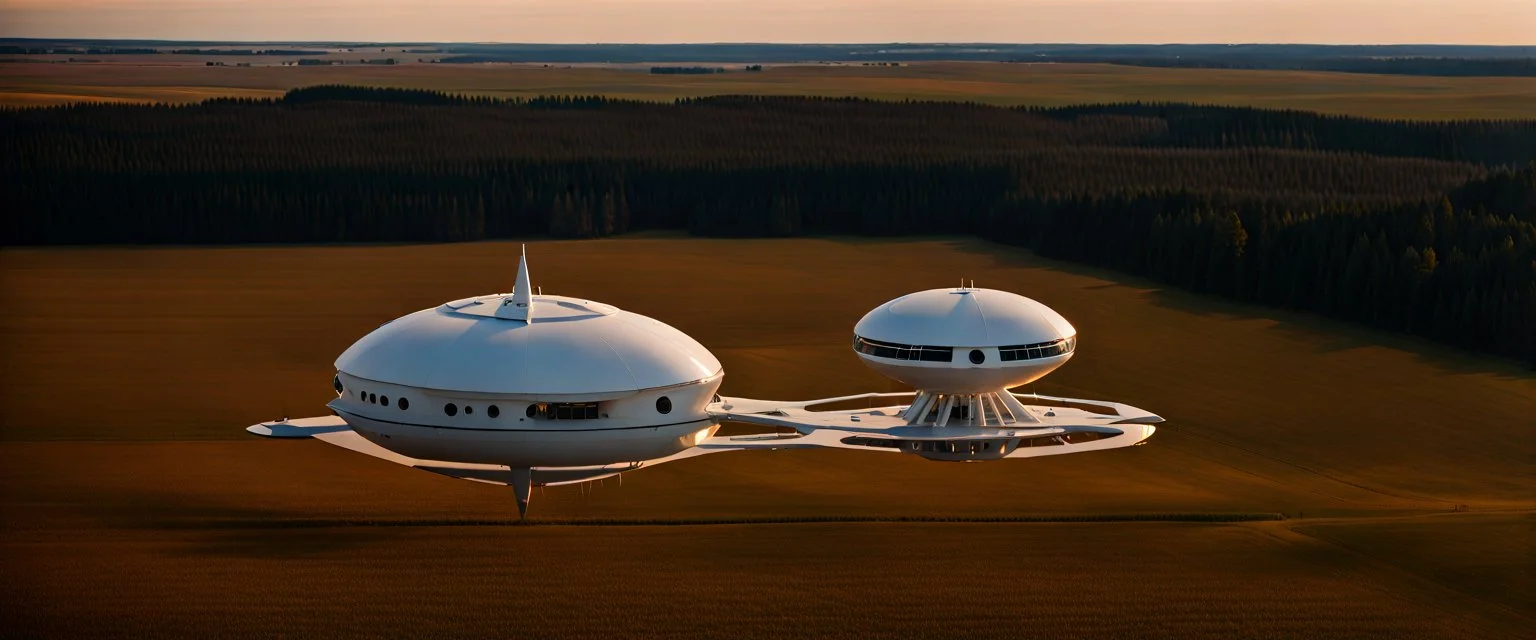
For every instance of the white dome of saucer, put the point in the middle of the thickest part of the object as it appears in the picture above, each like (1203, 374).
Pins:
(964, 340)
(569, 347)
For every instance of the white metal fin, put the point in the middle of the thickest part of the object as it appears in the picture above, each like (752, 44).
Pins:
(519, 305)
(522, 485)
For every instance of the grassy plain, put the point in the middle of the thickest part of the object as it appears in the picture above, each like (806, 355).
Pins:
(729, 581)
(167, 79)
(1493, 557)
(135, 505)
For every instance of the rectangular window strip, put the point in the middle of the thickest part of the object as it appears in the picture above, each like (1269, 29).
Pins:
(896, 351)
(571, 411)
(1038, 350)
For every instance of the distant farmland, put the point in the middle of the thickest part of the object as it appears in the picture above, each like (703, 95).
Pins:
(186, 79)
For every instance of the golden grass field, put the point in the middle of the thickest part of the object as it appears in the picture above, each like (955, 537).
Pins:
(175, 79)
(135, 505)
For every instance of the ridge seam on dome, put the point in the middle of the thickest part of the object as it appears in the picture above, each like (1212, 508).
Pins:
(633, 381)
(986, 328)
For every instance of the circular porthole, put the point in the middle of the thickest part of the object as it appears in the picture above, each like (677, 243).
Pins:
(468, 410)
(384, 400)
(451, 409)
(977, 357)
(373, 398)
(492, 411)
(336, 382)
(533, 410)
(663, 405)
(403, 403)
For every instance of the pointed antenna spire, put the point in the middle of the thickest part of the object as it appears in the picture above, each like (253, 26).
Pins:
(519, 306)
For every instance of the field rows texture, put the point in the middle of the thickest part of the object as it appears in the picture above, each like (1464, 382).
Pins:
(844, 581)
(132, 78)
(134, 501)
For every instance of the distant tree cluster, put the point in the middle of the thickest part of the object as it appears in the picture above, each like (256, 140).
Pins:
(1427, 228)
(242, 52)
(688, 70)
(102, 51)
(94, 51)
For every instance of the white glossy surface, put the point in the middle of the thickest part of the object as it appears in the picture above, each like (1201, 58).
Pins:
(460, 390)
(568, 347)
(963, 318)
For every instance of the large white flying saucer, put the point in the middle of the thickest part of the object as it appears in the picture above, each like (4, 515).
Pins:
(524, 389)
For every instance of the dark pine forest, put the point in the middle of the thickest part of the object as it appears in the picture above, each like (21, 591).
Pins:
(1427, 228)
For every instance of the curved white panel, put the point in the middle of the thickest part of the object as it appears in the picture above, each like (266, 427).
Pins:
(570, 347)
(964, 318)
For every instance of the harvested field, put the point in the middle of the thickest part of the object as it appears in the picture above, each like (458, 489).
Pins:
(731, 581)
(135, 505)
(140, 78)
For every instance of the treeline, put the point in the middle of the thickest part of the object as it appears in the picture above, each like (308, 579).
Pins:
(1427, 228)
(245, 52)
(1462, 276)
(37, 50)
(850, 120)
(1413, 66)
(397, 96)
(687, 70)
(1487, 142)
(95, 51)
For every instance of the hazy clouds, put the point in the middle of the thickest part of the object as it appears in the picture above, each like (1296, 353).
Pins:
(1110, 21)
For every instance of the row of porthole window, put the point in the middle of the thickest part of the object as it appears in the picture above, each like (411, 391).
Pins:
(370, 398)
(558, 411)
(663, 405)
(373, 398)
(469, 410)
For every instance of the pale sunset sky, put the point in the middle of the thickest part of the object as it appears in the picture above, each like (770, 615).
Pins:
(853, 21)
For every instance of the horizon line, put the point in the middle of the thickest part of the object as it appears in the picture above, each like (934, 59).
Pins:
(770, 43)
